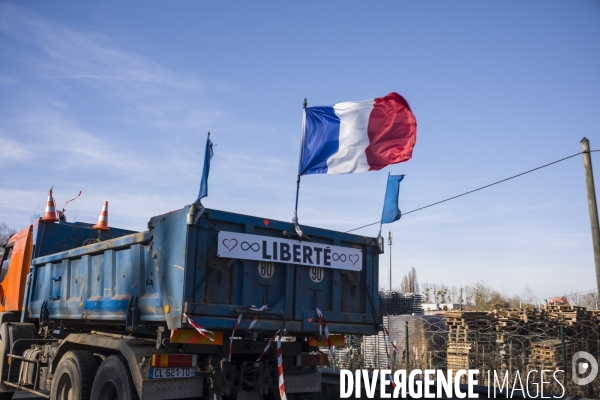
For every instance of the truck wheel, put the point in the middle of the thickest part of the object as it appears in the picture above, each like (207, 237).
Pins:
(74, 376)
(113, 381)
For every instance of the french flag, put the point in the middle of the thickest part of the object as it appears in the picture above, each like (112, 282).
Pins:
(357, 136)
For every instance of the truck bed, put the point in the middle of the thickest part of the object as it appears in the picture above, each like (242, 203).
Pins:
(212, 271)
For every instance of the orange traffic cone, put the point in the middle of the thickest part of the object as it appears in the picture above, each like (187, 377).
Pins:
(50, 211)
(102, 224)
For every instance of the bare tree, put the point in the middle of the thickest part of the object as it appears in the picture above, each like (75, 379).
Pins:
(441, 294)
(5, 233)
(427, 292)
(528, 295)
(470, 294)
(410, 284)
(453, 295)
(481, 296)
(587, 299)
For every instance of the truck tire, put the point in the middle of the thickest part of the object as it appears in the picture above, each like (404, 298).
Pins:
(74, 376)
(113, 381)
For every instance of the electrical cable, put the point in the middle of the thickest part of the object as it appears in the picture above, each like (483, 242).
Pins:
(565, 295)
(480, 188)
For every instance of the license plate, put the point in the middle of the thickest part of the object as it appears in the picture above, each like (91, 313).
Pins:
(165, 373)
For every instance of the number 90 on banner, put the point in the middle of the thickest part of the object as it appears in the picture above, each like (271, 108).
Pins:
(316, 274)
(266, 269)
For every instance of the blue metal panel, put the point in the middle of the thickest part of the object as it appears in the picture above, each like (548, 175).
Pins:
(169, 249)
(94, 282)
(55, 237)
(292, 296)
(174, 266)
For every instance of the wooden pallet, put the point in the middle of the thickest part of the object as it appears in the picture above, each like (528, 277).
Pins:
(544, 365)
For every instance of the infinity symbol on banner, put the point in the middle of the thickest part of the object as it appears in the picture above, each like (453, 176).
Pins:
(249, 246)
(338, 257)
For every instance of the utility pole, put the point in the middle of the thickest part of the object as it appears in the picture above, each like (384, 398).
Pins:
(591, 193)
(390, 257)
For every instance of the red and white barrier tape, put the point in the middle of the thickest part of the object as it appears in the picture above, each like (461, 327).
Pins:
(239, 319)
(263, 308)
(323, 328)
(62, 213)
(74, 198)
(386, 333)
(269, 344)
(237, 322)
(277, 335)
(280, 369)
(200, 329)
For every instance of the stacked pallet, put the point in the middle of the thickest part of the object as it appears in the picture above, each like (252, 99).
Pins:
(459, 356)
(522, 337)
(511, 320)
(547, 354)
(463, 326)
(513, 327)
(567, 315)
(468, 333)
(594, 314)
(468, 320)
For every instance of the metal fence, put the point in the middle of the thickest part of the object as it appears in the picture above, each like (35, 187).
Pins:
(511, 342)
(392, 302)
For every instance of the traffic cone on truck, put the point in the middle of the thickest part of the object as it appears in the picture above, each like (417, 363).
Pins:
(50, 211)
(102, 224)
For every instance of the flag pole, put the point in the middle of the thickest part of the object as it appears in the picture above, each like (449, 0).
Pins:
(295, 219)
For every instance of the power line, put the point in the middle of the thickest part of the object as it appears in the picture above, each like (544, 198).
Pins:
(585, 291)
(480, 188)
(566, 295)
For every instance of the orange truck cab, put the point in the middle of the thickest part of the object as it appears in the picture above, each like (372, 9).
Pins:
(15, 267)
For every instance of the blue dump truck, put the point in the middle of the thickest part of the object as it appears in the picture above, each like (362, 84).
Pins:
(198, 306)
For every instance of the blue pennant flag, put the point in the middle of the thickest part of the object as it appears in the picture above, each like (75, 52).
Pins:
(391, 212)
(208, 154)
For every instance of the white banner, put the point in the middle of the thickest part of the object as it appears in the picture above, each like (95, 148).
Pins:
(266, 248)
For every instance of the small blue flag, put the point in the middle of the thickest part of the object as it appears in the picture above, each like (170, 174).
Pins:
(208, 154)
(391, 212)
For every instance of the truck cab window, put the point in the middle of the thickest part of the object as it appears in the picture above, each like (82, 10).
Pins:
(6, 260)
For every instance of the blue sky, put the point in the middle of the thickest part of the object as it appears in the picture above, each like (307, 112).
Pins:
(115, 98)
